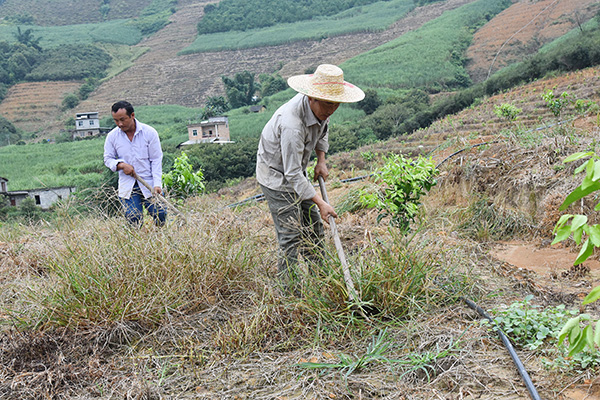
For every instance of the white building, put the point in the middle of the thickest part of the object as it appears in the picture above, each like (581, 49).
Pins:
(86, 124)
(214, 130)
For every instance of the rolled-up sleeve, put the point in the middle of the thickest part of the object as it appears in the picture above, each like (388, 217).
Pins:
(111, 158)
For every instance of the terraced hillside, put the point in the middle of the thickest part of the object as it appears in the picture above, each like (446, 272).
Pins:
(35, 106)
(523, 29)
(162, 77)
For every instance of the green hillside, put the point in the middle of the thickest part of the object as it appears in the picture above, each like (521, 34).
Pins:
(59, 13)
(403, 73)
(371, 17)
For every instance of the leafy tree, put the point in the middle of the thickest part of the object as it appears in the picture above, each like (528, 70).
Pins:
(8, 132)
(271, 84)
(222, 163)
(182, 181)
(215, 105)
(370, 103)
(18, 66)
(70, 101)
(241, 89)
(588, 237)
(404, 181)
(27, 38)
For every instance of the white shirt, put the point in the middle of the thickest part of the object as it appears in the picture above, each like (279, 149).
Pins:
(286, 144)
(143, 153)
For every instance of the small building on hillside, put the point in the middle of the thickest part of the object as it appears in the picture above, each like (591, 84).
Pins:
(214, 130)
(43, 197)
(86, 124)
(258, 108)
(3, 185)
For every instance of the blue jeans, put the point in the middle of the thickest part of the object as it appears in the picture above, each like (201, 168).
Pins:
(133, 207)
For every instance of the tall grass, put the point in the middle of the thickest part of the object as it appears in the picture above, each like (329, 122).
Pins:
(100, 272)
(372, 18)
(423, 57)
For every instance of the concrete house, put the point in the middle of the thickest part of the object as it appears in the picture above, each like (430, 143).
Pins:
(3, 185)
(44, 197)
(86, 124)
(214, 130)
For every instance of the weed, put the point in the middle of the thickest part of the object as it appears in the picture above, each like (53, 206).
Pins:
(528, 325)
(484, 220)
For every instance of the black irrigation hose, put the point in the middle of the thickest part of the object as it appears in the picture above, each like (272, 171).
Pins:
(524, 375)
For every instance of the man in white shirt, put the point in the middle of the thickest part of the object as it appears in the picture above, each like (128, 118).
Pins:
(286, 145)
(134, 147)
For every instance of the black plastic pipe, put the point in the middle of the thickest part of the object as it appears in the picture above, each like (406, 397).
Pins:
(524, 375)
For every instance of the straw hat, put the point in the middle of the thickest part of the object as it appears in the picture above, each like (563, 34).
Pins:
(327, 83)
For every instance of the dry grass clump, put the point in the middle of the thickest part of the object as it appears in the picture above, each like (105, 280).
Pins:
(170, 304)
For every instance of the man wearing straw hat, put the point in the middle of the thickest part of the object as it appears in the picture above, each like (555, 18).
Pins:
(284, 151)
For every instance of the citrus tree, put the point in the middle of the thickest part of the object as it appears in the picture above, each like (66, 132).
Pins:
(581, 331)
(404, 182)
(182, 181)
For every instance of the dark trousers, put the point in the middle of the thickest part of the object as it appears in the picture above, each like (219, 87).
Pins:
(299, 230)
(133, 207)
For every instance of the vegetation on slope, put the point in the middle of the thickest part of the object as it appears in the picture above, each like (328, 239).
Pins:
(240, 15)
(372, 17)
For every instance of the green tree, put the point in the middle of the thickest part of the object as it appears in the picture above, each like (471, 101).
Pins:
(8, 132)
(182, 181)
(370, 103)
(70, 101)
(404, 182)
(241, 89)
(27, 38)
(588, 237)
(215, 105)
(271, 84)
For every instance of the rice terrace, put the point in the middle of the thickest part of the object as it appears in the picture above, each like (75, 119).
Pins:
(494, 242)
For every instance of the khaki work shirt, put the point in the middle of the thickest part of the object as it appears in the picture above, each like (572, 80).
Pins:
(286, 145)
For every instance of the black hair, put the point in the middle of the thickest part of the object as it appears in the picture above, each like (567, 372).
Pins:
(122, 104)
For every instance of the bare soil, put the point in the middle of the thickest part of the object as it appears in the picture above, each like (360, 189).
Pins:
(523, 29)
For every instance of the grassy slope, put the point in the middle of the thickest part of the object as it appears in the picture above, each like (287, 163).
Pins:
(53, 13)
(116, 31)
(373, 17)
(421, 58)
(170, 121)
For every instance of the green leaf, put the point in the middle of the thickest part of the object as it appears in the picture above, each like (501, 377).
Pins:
(578, 156)
(578, 194)
(586, 250)
(580, 342)
(562, 234)
(596, 170)
(578, 222)
(566, 330)
(594, 232)
(592, 296)
(597, 333)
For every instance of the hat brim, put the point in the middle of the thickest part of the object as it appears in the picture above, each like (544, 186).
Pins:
(350, 94)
